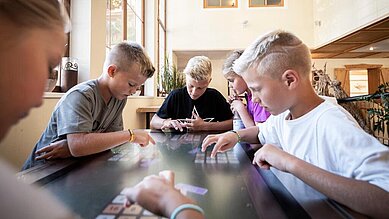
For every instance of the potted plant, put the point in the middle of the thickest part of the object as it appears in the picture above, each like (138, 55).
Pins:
(170, 78)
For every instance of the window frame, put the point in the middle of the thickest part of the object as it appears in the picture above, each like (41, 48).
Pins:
(282, 4)
(205, 4)
(161, 24)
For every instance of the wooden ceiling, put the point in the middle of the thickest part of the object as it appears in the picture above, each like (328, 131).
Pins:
(356, 44)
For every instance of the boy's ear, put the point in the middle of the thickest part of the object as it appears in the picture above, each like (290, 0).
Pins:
(111, 70)
(290, 78)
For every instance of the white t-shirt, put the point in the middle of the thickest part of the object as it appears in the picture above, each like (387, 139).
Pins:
(330, 138)
(19, 200)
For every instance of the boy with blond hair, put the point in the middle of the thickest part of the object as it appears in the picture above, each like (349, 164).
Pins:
(194, 103)
(312, 138)
(88, 118)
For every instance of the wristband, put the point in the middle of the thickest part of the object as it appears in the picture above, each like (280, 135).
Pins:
(132, 137)
(185, 207)
(237, 134)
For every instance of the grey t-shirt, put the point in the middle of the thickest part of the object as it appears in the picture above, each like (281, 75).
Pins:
(81, 110)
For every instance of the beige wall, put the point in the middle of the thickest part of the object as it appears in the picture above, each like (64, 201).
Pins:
(191, 27)
(218, 80)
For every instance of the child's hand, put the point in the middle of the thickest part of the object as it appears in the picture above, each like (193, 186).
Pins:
(176, 124)
(157, 194)
(143, 138)
(237, 105)
(58, 149)
(223, 142)
(271, 156)
(231, 98)
(195, 124)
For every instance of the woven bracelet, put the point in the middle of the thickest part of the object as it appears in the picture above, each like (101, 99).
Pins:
(237, 134)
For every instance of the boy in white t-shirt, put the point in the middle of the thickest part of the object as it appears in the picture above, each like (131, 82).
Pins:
(312, 138)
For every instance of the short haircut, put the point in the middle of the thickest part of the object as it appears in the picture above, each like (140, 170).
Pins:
(124, 54)
(199, 68)
(274, 53)
(228, 63)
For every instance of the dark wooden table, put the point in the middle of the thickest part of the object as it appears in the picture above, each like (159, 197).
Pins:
(235, 189)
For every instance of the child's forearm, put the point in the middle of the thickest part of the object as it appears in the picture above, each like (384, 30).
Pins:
(82, 144)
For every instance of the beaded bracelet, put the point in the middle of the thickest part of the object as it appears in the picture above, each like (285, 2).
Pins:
(237, 134)
(185, 207)
(132, 135)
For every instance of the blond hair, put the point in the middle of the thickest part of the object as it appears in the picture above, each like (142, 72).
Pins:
(227, 69)
(44, 14)
(199, 68)
(124, 54)
(274, 53)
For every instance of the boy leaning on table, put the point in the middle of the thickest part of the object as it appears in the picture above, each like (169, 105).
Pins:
(195, 107)
(88, 118)
(312, 138)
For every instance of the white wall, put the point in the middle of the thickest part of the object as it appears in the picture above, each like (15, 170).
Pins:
(80, 37)
(339, 18)
(190, 27)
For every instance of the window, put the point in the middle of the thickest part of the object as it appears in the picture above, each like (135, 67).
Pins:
(266, 3)
(358, 82)
(220, 3)
(125, 21)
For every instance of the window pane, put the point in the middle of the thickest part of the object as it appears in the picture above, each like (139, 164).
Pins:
(114, 22)
(162, 52)
(162, 11)
(257, 2)
(228, 3)
(131, 3)
(213, 2)
(131, 25)
(273, 2)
